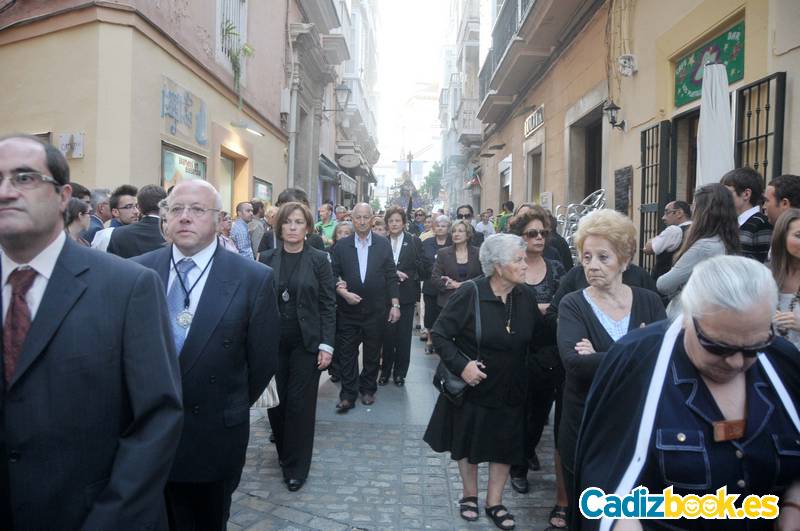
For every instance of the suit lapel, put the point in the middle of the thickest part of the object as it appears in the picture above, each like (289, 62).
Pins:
(356, 262)
(214, 301)
(63, 290)
(276, 268)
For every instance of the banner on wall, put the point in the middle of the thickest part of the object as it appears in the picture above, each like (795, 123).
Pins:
(184, 114)
(726, 49)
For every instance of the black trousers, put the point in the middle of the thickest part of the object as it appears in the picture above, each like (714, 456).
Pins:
(397, 344)
(366, 329)
(432, 310)
(293, 420)
(199, 506)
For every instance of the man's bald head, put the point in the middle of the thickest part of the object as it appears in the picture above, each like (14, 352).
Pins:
(362, 219)
(195, 184)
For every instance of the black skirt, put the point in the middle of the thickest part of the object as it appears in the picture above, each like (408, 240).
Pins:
(477, 433)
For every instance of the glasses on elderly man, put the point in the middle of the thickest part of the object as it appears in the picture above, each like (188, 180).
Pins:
(28, 180)
(724, 350)
(194, 211)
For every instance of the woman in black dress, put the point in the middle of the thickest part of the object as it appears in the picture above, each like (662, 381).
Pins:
(545, 371)
(430, 249)
(488, 426)
(307, 304)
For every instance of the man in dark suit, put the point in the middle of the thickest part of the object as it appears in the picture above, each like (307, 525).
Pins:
(223, 313)
(90, 407)
(365, 265)
(144, 236)
(101, 212)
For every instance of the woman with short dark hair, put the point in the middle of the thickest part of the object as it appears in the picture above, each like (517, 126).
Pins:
(304, 285)
(76, 220)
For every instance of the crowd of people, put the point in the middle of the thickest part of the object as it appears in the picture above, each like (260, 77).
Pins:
(127, 380)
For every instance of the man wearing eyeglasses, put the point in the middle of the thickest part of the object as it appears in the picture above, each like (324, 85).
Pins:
(224, 318)
(677, 218)
(90, 404)
(124, 210)
(142, 237)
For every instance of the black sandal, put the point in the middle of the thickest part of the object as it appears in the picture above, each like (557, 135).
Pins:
(464, 508)
(558, 511)
(498, 519)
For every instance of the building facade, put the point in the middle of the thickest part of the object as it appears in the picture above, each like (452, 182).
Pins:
(144, 94)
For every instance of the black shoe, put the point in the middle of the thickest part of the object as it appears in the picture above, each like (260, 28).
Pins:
(344, 406)
(399, 381)
(533, 463)
(520, 484)
(294, 484)
(383, 380)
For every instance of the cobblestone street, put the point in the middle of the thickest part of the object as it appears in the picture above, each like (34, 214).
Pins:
(371, 469)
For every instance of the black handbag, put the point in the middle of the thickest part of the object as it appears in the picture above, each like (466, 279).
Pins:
(451, 385)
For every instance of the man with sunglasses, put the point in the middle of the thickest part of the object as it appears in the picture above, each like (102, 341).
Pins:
(708, 400)
(677, 218)
(90, 403)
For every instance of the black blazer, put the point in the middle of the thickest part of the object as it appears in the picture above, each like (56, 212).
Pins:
(228, 358)
(137, 238)
(446, 265)
(429, 251)
(91, 419)
(380, 285)
(316, 295)
(410, 263)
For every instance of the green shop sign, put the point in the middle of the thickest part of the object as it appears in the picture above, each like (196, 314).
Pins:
(727, 49)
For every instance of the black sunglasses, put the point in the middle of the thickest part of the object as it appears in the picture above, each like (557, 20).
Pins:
(535, 233)
(722, 349)
(464, 216)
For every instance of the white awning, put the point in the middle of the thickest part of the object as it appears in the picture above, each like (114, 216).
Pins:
(714, 132)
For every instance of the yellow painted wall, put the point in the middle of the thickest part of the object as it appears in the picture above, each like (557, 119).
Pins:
(579, 70)
(105, 80)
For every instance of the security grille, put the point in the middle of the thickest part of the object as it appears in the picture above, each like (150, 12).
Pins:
(233, 24)
(759, 125)
(656, 190)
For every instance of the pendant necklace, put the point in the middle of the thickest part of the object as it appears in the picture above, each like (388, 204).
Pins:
(184, 318)
(285, 297)
(509, 307)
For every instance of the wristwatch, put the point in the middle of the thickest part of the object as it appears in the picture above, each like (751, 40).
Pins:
(396, 306)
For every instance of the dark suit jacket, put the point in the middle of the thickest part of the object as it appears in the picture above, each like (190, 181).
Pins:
(91, 420)
(316, 295)
(137, 238)
(228, 358)
(410, 263)
(429, 251)
(446, 265)
(380, 285)
(95, 224)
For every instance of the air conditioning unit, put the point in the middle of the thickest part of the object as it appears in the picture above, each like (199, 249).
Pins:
(285, 101)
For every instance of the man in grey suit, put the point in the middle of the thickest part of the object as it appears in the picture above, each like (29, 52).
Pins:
(224, 317)
(90, 406)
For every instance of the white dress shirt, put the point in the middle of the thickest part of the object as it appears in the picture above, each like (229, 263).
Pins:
(747, 214)
(362, 249)
(43, 263)
(201, 260)
(669, 239)
(101, 239)
(397, 246)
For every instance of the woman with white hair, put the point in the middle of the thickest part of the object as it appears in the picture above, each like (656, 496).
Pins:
(709, 400)
(430, 249)
(488, 426)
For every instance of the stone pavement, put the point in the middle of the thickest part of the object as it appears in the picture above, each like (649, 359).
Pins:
(372, 470)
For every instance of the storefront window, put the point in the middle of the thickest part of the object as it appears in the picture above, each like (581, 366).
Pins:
(179, 165)
(262, 190)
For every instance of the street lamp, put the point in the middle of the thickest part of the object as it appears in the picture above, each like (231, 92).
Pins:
(613, 109)
(342, 93)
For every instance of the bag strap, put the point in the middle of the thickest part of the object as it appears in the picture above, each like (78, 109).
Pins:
(477, 319)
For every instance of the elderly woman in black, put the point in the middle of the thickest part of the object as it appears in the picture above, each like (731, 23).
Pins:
(710, 400)
(305, 288)
(407, 254)
(455, 264)
(592, 319)
(488, 426)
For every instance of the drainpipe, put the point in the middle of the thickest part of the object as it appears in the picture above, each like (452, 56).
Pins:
(292, 127)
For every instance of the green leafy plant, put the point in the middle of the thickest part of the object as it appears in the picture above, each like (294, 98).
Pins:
(236, 52)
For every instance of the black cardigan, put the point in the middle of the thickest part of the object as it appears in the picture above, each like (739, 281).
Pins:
(576, 320)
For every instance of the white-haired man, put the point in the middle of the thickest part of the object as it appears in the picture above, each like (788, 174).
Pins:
(227, 349)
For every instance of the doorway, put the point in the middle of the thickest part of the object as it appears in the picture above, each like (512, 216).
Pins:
(684, 154)
(225, 182)
(534, 174)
